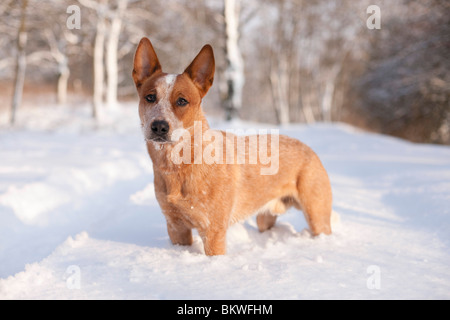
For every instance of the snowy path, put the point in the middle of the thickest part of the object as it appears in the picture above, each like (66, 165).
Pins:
(78, 219)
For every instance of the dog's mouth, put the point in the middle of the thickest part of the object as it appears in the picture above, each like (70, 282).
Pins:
(157, 139)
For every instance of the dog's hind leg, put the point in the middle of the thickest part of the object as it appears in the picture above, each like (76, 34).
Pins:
(268, 216)
(315, 197)
(265, 221)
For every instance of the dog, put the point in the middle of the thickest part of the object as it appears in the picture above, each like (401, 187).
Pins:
(211, 195)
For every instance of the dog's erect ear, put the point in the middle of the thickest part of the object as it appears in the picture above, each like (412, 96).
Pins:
(201, 69)
(146, 62)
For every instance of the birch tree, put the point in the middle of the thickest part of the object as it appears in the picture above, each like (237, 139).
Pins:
(234, 72)
(100, 9)
(106, 46)
(58, 52)
(21, 63)
(112, 47)
(99, 70)
(281, 62)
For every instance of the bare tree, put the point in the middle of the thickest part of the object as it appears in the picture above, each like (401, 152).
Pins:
(281, 61)
(58, 52)
(109, 21)
(112, 69)
(234, 72)
(99, 70)
(21, 63)
(100, 8)
(404, 89)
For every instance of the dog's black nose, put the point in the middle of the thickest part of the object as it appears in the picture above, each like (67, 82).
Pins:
(160, 127)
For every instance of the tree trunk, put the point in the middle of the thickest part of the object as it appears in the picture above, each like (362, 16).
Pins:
(234, 73)
(327, 99)
(63, 79)
(307, 109)
(282, 60)
(279, 84)
(98, 65)
(21, 63)
(112, 68)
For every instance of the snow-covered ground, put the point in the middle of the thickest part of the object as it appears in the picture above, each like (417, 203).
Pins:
(78, 219)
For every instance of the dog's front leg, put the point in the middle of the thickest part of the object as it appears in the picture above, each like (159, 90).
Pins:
(178, 232)
(214, 241)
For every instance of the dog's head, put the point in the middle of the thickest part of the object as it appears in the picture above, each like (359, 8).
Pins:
(168, 102)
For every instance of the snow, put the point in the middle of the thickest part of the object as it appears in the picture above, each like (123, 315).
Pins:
(79, 220)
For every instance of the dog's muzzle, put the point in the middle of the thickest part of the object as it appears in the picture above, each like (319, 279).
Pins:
(159, 131)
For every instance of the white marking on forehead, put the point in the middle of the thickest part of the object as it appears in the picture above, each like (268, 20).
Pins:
(170, 79)
(164, 88)
(165, 85)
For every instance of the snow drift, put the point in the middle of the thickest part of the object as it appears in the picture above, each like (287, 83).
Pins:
(79, 220)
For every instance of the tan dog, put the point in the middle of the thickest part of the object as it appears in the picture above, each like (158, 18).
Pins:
(207, 179)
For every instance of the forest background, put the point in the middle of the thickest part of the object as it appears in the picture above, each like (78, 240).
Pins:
(379, 65)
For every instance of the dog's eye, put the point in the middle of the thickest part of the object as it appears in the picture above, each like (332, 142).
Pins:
(151, 98)
(181, 102)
